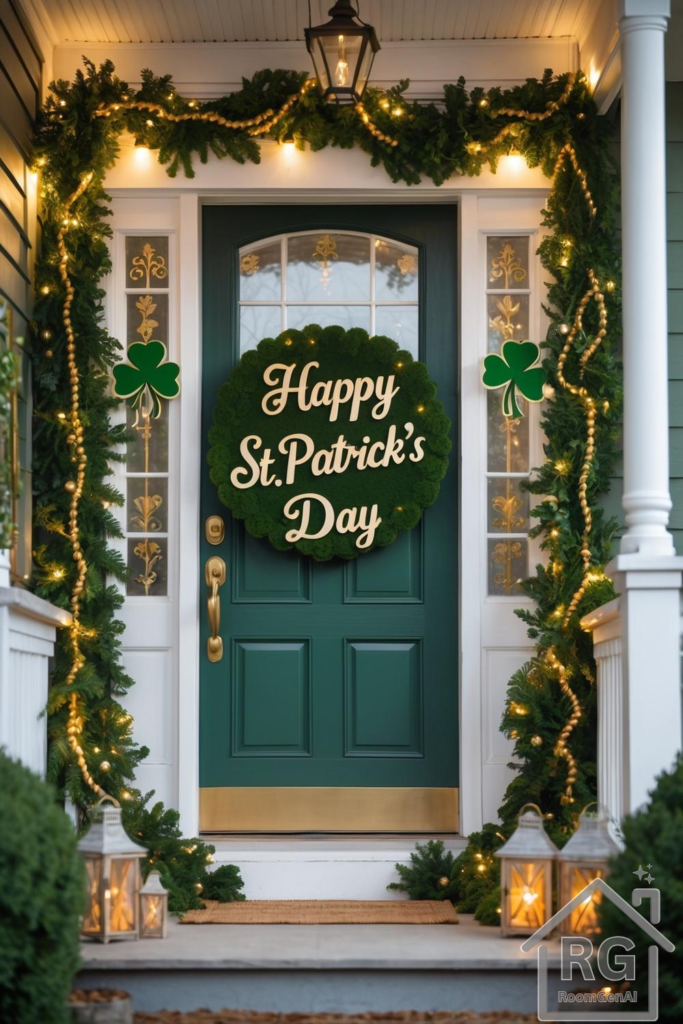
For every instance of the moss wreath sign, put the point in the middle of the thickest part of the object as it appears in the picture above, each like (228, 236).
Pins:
(313, 458)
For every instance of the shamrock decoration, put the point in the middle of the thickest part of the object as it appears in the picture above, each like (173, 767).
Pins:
(146, 378)
(514, 368)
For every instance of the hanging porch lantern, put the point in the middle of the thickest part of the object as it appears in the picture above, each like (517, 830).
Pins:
(526, 883)
(153, 908)
(112, 864)
(342, 52)
(583, 859)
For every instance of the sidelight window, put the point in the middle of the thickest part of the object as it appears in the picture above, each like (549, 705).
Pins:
(508, 297)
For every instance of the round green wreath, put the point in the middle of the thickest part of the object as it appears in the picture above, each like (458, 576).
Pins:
(401, 491)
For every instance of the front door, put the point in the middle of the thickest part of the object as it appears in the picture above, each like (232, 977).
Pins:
(335, 704)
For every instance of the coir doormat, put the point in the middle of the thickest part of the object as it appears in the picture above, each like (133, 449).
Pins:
(325, 912)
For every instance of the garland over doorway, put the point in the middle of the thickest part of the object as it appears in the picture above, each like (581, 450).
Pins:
(552, 123)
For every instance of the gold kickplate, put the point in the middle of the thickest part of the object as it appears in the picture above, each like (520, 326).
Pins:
(327, 809)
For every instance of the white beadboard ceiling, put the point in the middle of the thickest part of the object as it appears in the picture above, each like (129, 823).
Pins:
(197, 21)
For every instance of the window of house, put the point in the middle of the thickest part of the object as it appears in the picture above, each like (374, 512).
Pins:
(508, 299)
(329, 277)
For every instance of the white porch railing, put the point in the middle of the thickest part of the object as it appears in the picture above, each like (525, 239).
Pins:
(627, 745)
(28, 630)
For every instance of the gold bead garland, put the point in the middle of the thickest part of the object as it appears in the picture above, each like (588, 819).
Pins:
(75, 489)
(561, 748)
(372, 127)
(569, 151)
(580, 391)
(550, 108)
(257, 125)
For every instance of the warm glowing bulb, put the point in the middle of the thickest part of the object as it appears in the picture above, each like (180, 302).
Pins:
(481, 867)
(341, 72)
(529, 897)
(397, 111)
(420, 408)
(57, 574)
(61, 415)
(515, 161)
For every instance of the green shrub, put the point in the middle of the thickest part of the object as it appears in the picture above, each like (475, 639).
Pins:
(429, 864)
(654, 836)
(224, 884)
(42, 895)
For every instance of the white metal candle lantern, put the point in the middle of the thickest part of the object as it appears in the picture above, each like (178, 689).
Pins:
(112, 863)
(584, 858)
(526, 875)
(153, 908)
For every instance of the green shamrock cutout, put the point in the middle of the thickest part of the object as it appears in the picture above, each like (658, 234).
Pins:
(146, 378)
(514, 368)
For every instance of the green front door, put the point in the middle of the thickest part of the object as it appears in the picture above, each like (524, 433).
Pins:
(335, 704)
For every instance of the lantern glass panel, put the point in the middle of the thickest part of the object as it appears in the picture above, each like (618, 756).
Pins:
(92, 919)
(340, 53)
(527, 894)
(364, 68)
(583, 920)
(122, 894)
(152, 909)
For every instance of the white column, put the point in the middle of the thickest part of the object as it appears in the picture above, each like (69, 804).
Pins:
(646, 499)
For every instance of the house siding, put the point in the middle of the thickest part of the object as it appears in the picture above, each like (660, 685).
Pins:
(674, 234)
(20, 80)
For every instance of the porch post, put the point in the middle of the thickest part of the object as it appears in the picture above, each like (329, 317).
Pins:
(646, 499)
(647, 573)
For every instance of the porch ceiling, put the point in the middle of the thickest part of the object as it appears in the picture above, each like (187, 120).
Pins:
(185, 21)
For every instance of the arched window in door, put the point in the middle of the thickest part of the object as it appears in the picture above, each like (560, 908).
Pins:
(329, 277)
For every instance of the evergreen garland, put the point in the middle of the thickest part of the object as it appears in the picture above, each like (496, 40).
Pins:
(78, 133)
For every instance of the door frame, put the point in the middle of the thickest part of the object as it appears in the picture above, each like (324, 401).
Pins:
(471, 322)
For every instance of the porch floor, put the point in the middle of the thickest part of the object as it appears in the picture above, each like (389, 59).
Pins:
(321, 968)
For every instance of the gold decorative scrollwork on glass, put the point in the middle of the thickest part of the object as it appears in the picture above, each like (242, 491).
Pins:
(149, 264)
(147, 451)
(508, 261)
(325, 250)
(250, 263)
(504, 322)
(147, 503)
(146, 306)
(150, 553)
(508, 266)
(508, 460)
(507, 566)
(508, 505)
(407, 264)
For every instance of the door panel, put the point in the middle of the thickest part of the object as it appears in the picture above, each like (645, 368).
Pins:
(335, 703)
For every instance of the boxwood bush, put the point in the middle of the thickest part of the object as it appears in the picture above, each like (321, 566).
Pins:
(653, 840)
(42, 895)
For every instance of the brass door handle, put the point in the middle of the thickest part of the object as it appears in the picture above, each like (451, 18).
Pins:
(215, 574)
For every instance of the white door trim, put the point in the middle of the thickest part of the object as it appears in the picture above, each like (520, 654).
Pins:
(473, 698)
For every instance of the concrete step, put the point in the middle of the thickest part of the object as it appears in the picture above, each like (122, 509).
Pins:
(322, 968)
(320, 867)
